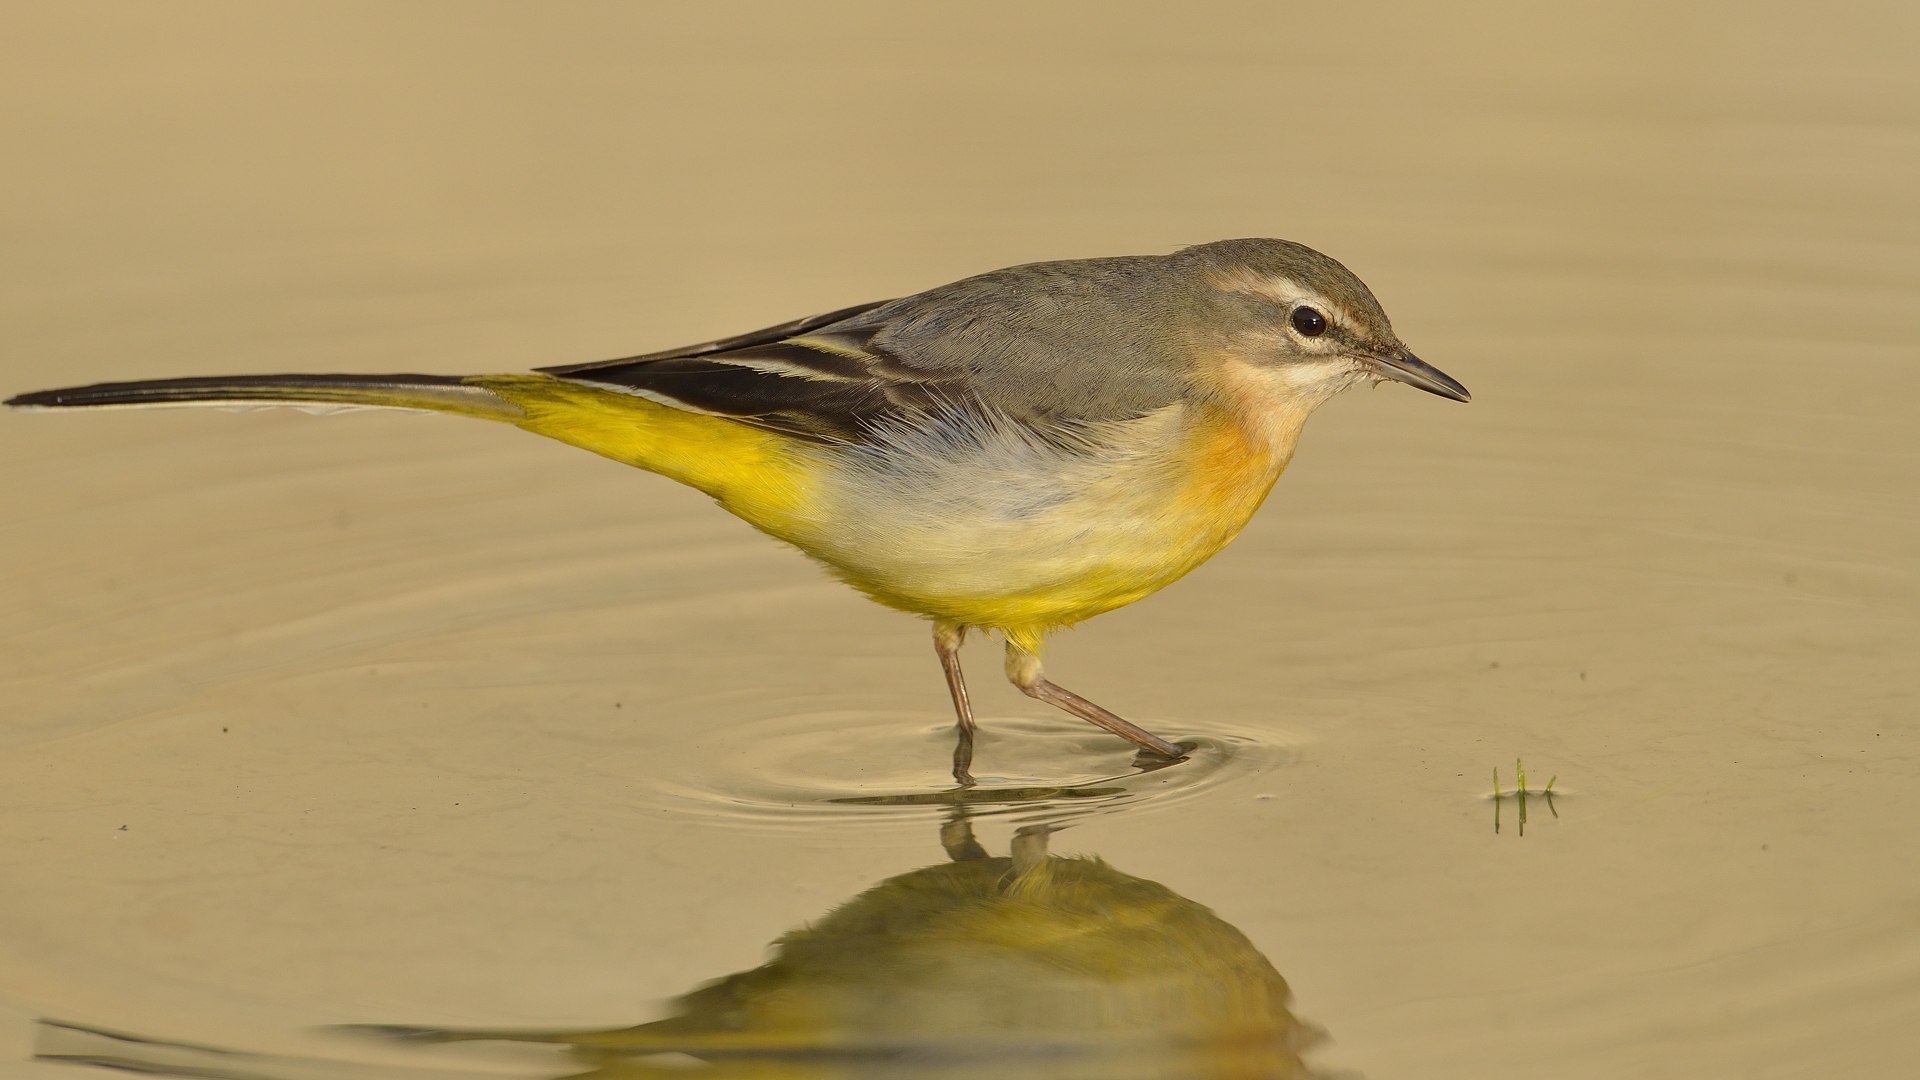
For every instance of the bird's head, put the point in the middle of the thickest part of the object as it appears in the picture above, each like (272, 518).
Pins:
(1298, 325)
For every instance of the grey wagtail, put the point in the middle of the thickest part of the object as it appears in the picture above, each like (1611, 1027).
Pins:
(1016, 451)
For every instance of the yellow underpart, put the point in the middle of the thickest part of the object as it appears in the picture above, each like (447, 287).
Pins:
(1161, 509)
(760, 476)
(1219, 476)
(1152, 512)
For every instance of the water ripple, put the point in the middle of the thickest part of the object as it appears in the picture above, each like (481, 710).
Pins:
(801, 769)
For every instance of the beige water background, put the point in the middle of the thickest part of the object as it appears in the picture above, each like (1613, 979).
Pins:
(377, 718)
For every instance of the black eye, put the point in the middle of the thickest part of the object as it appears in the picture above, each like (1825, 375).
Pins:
(1309, 322)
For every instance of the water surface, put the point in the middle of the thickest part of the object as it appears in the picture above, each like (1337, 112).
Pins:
(430, 725)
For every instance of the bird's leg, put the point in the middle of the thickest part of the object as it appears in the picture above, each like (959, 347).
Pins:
(947, 639)
(1030, 847)
(956, 835)
(1023, 669)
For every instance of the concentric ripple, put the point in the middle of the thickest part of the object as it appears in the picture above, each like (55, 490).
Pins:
(800, 769)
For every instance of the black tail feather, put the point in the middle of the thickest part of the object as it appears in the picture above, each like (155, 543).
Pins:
(439, 393)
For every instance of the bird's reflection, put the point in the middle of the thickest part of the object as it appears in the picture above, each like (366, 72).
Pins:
(1032, 965)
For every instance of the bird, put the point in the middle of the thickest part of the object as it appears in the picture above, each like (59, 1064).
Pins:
(1014, 452)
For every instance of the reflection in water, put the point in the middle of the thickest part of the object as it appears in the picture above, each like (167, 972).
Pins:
(1034, 965)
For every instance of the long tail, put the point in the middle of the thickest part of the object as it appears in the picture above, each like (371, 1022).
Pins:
(434, 393)
(751, 471)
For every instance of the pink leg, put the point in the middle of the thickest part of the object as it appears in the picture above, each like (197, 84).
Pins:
(947, 639)
(1023, 669)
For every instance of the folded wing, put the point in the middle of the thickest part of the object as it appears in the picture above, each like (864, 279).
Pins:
(797, 378)
(1039, 344)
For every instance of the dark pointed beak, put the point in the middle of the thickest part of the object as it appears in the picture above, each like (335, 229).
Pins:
(1410, 369)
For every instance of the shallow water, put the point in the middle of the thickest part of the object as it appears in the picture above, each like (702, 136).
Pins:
(411, 722)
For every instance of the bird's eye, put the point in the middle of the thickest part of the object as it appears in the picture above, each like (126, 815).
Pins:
(1309, 322)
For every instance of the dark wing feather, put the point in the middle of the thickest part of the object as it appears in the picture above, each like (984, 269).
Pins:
(787, 386)
(1041, 345)
(825, 386)
(727, 344)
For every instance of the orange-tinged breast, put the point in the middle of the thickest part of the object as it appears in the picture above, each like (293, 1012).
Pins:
(1230, 468)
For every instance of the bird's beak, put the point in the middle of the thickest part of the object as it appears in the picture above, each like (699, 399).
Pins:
(1410, 369)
